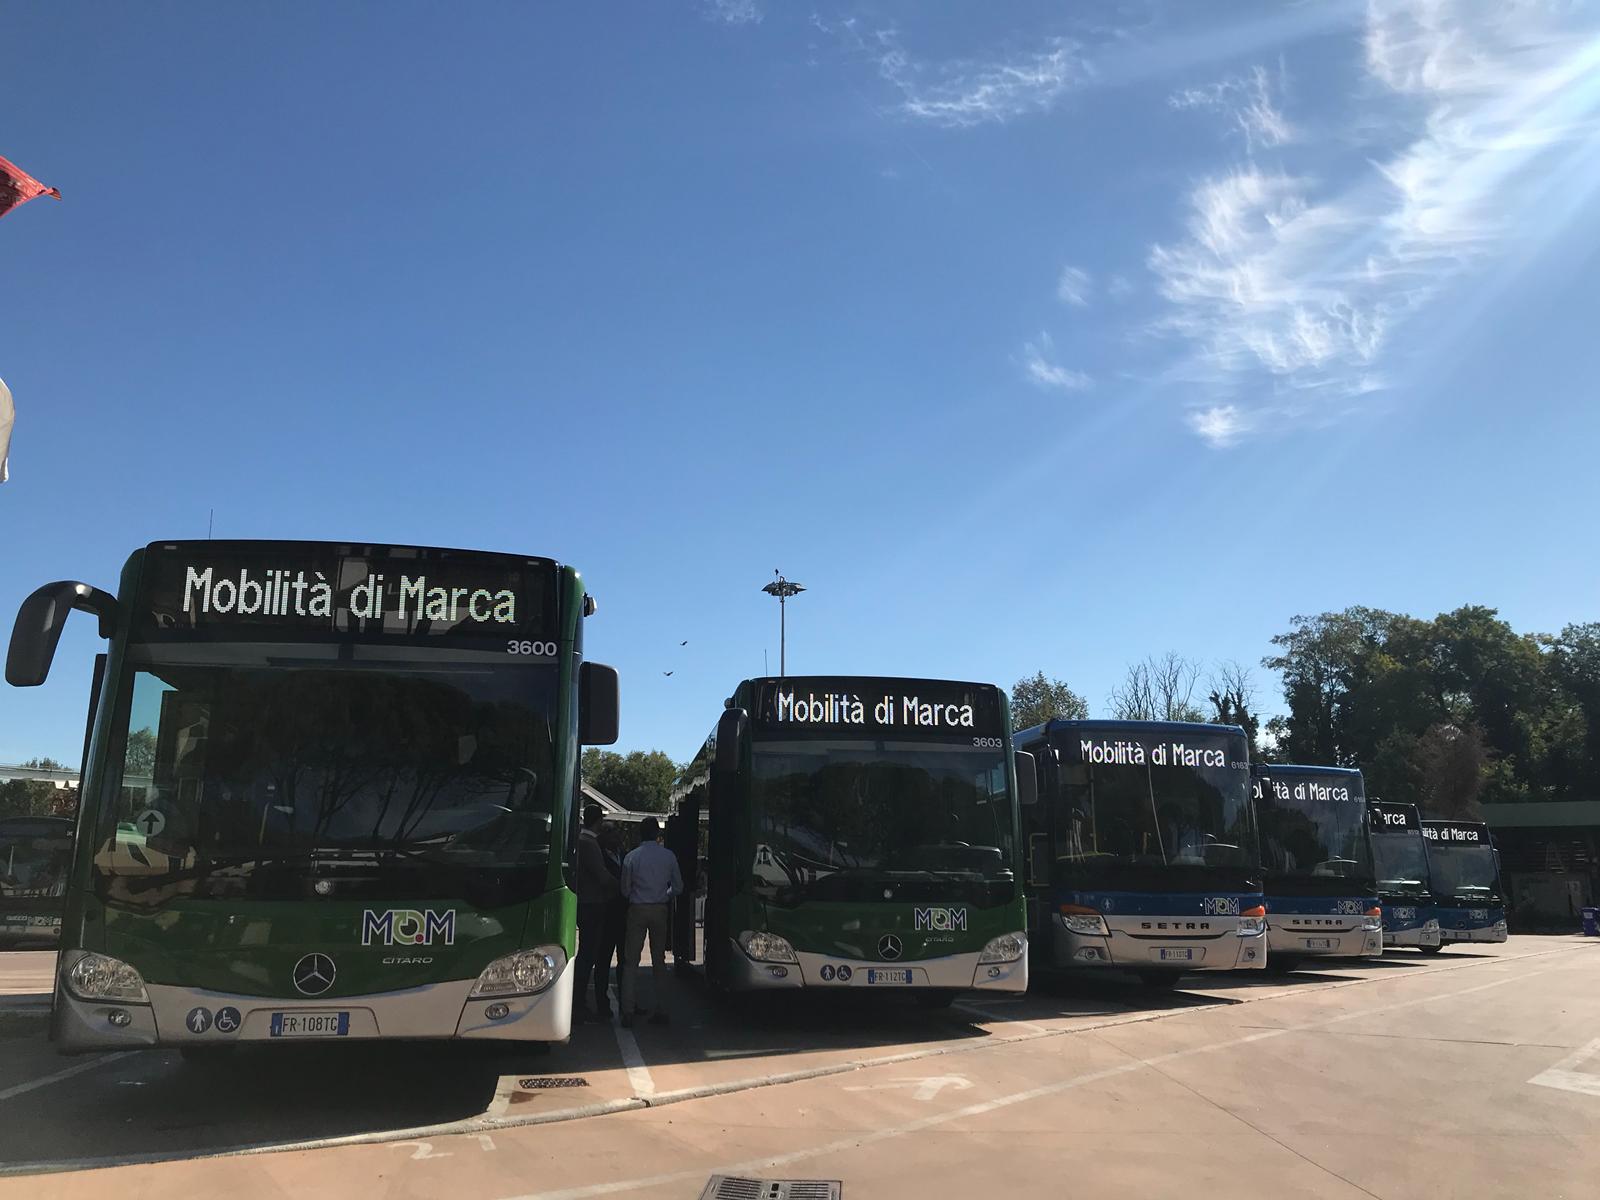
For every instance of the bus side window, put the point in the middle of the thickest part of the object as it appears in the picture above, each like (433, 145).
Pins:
(1038, 859)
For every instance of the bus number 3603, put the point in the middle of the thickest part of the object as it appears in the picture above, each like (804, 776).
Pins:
(537, 649)
(987, 743)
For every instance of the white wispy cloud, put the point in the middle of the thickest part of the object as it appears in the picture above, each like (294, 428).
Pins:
(732, 12)
(1119, 287)
(1074, 286)
(963, 93)
(1221, 426)
(1041, 369)
(1248, 103)
(1288, 290)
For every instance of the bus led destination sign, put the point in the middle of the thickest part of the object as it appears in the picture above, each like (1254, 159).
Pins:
(1123, 752)
(874, 707)
(284, 592)
(269, 588)
(1456, 835)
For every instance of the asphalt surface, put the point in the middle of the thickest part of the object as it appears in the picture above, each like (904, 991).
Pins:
(1472, 1073)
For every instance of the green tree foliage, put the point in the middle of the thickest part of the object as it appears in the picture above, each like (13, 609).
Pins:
(33, 798)
(1447, 713)
(641, 779)
(1036, 699)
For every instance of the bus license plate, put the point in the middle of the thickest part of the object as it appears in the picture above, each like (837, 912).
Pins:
(902, 975)
(310, 1024)
(1319, 943)
(1183, 955)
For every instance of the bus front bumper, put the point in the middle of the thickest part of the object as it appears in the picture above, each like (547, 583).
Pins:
(1224, 950)
(1314, 942)
(953, 972)
(1484, 933)
(1418, 933)
(180, 1017)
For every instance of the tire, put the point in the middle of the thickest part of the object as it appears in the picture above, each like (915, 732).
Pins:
(1431, 949)
(935, 1000)
(1160, 981)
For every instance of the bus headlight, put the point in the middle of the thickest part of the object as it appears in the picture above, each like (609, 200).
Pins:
(1431, 925)
(766, 947)
(1253, 921)
(101, 977)
(1008, 947)
(1075, 918)
(521, 974)
(1373, 921)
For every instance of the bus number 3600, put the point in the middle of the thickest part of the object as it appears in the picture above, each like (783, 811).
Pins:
(537, 649)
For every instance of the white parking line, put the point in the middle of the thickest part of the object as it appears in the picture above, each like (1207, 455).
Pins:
(859, 1140)
(1564, 1077)
(89, 1064)
(638, 1074)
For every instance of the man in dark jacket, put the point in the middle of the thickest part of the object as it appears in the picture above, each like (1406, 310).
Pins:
(597, 887)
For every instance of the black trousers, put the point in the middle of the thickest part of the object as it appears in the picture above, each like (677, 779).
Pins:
(594, 959)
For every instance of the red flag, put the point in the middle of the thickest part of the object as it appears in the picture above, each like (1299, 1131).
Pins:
(18, 187)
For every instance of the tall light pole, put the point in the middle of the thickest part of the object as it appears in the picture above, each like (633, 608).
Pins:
(782, 588)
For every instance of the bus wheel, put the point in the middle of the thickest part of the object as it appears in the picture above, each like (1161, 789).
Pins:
(933, 1000)
(1431, 949)
(1163, 981)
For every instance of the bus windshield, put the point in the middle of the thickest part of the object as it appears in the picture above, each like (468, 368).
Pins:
(383, 778)
(1401, 862)
(1464, 872)
(840, 820)
(1314, 830)
(1153, 817)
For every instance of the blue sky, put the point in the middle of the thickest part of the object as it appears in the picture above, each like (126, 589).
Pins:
(1024, 339)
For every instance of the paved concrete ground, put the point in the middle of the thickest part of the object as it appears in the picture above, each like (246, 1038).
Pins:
(1474, 1073)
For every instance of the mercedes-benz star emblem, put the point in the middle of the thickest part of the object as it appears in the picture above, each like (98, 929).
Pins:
(314, 974)
(889, 947)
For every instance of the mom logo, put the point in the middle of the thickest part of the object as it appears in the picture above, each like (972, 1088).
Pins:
(408, 927)
(941, 919)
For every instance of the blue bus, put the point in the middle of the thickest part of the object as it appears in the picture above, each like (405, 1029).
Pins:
(1142, 849)
(1400, 855)
(1464, 868)
(1316, 860)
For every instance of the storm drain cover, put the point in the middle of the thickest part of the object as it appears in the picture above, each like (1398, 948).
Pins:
(738, 1187)
(541, 1082)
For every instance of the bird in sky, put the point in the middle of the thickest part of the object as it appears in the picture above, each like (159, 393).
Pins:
(666, 672)
(685, 642)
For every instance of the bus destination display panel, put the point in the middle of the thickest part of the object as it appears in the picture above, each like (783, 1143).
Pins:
(846, 707)
(296, 591)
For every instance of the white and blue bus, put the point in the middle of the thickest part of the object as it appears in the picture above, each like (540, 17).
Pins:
(1142, 850)
(1316, 861)
(1400, 857)
(1464, 868)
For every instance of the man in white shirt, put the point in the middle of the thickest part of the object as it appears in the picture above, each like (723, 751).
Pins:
(650, 879)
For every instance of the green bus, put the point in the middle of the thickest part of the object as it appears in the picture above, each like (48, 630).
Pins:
(35, 853)
(861, 833)
(328, 793)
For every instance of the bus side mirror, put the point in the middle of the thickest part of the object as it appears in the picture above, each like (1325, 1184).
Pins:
(730, 736)
(597, 704)
(39, 623)
(1027, 781)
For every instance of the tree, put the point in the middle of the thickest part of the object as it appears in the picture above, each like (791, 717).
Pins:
(45, 764)
(641, 780)
(1158, 689)
(34, 798)
(1232, 692)
(1037, 699)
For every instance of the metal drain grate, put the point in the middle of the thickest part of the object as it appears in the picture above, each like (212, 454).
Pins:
(737, 1187)
(541, 1082)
